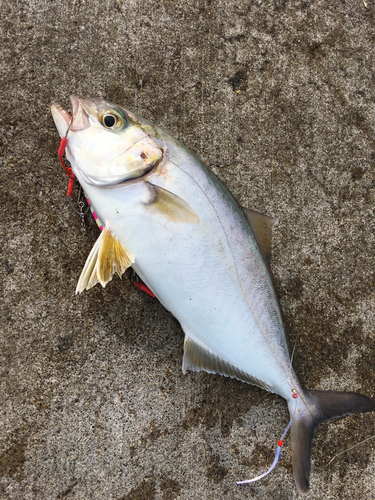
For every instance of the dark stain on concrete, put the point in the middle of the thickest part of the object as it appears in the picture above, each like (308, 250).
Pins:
(294, 288)
(224, 400)
(68, 490)
(261, 457)
(216, 472)
(13, 458)
(153, 435)
(64, 344)
(239, 80)
(357, 173)
(145, 491)
(364, 368)
(169, 487)
(193, 418)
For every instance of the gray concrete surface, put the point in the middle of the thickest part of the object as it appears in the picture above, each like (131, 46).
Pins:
(278, 97)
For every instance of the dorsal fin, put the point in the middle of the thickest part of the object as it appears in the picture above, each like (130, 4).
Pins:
(198, 357)
(262, 229)
(108, 256)
(165, 204)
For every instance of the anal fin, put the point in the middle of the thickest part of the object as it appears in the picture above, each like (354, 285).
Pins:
(108, 256)
(197, 358)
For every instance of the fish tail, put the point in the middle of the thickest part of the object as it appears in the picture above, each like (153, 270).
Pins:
(322, 405)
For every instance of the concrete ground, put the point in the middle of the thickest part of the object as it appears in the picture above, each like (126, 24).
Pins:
(278, 98)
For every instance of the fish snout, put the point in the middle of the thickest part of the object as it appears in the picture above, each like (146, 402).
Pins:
(61, 118)
(80, 116)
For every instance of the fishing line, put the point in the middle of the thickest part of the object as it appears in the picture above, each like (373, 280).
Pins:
(291, 359)
(275, 461)
(281, 385)
(61, 151)
(80, 204)
(274, 390)
(347, 449)
(72, 179)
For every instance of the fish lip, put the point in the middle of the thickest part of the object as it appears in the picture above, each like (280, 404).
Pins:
(61, 117)
(74, 100)
(143, 176)
(81, 119)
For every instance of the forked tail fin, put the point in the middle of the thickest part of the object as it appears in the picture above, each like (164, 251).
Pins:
(323, 405)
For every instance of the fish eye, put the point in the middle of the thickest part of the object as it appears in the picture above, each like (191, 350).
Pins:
(112, 119)
(109, 121)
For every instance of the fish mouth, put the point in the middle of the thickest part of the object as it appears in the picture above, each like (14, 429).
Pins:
(118, 180)
(124, 179)
(62, 118)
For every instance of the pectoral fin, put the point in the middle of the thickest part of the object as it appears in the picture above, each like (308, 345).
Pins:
(198, 357)
(108, 256)
(165, 204)
(262, 229)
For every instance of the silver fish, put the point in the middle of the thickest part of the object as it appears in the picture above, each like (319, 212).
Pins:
(169, 217)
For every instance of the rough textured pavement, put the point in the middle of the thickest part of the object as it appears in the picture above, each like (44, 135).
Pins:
(278, 98)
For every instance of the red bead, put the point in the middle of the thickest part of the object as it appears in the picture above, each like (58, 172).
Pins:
(294, 395)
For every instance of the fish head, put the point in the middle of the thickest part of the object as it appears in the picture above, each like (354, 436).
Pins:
(107, 145)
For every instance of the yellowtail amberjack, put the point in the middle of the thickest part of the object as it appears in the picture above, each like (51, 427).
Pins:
(169, 217)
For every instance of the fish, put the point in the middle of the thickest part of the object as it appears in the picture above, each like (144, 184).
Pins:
(166, 214)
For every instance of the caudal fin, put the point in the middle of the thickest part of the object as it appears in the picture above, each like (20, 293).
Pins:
(322, 405)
